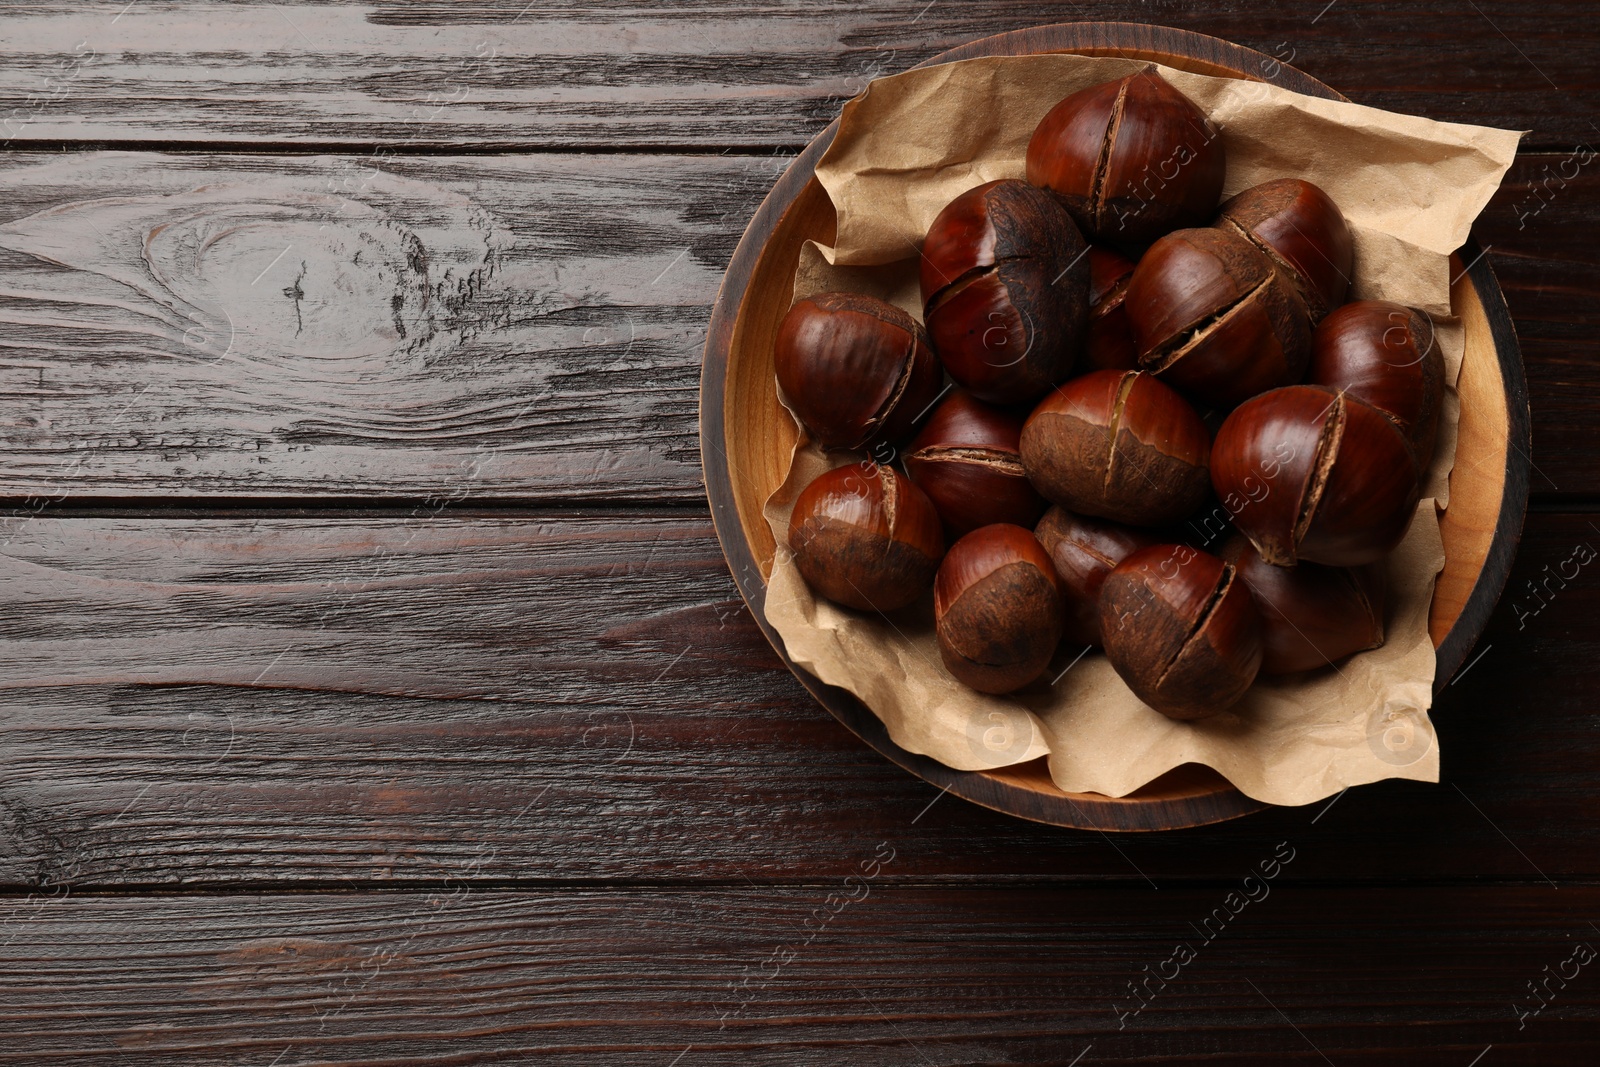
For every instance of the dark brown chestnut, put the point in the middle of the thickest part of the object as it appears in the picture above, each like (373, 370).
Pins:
(1118, 445)
(1181, 630)
(1131, 159)
(1311, 615)
(1311, 473)
(968, 459)
(1084, 551)
(863, 536)
(997, 609)
(1387, 355)
(1109, 343)
(1303, 231)
(1005, 288)
(1213, 317)
(855, 369)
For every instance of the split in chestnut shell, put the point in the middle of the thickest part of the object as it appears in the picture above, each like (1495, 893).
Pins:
(1005, 287)
(1214, 318)
(1181, 630)
(967, 458)
(1131, 159)
(1118, 445)
(1311, 473)
(997, 609)
(856, 370)
(864, 536)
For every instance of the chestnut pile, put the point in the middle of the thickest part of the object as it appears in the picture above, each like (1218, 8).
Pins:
(1168, 435)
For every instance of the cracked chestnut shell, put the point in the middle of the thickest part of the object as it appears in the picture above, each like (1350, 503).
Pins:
(1131, 159)
(1109, 343)
(1084, 552)
(1311, 615)
(1005, 288)
(1302, 230)
(1387, 355)
(1118, 445)
(1214, 318)
(865, 537)
(855, 369)
(1181, 629)
(1311, 473)
(997, 609)
(968, 459)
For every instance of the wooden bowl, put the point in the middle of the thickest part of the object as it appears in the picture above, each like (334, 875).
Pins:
(746, 439)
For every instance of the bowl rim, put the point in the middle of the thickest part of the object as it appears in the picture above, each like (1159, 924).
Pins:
(1203, 796)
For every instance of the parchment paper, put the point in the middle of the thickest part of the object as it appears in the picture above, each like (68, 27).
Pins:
(1410, 188)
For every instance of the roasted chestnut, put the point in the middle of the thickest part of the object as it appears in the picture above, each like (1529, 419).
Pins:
(1118, 445)
(863, 536)
(1311, 473)
(1311, 615)
(1302, 230)
(1213, 317)
(1084, 551)
(1005, 287)
(1181, 630)
(1131, 159)
(1109, 344)
(1387, 355)
(997, 609)
(967, 459)
(855, 369)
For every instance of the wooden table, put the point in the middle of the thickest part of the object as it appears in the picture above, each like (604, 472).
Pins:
(374, 690)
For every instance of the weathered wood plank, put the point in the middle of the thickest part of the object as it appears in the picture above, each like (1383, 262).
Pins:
(714, 72)
(838, 972)
(552, 347)
(273, 325)
(312, 702)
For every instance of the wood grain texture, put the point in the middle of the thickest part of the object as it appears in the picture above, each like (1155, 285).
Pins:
(836, 972)
(716, 72)
(273, 325)
(566, 371)
(282, 701)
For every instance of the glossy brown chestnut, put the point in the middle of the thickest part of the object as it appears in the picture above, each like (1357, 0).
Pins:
(855, 369)
(1005, 288)
(1109, 343)
(1131, 159)
(1303, 231)
(863, 536)
(1214, 318)
(1387, 355)
(1118, 445)
(1084, 551)
(1311, 615)
(1310, 473)
(1181, 630)
(997, 609)
(968, 459)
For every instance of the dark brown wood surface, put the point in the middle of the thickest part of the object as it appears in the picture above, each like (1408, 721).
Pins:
(715, 73)
(392, 703)
(857, 971)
